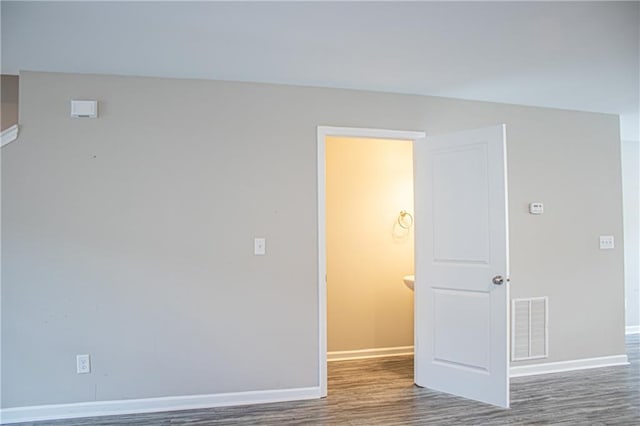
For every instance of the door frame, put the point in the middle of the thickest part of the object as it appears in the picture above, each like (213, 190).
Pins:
(350, 132)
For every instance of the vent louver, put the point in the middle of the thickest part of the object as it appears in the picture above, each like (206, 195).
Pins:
(529, 328)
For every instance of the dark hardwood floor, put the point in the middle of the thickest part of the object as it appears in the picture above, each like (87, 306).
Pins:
(381, 392)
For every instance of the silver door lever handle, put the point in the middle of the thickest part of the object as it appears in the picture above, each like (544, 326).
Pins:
(498, 280)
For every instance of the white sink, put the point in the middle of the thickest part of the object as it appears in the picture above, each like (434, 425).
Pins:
(409, 280)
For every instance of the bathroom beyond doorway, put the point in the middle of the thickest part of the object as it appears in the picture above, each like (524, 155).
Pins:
(369, 309)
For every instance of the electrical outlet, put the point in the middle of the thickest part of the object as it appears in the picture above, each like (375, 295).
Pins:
(83, 364)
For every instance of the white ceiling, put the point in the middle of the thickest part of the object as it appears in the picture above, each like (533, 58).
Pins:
(574, 55)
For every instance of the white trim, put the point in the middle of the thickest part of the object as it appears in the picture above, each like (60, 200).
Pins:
(9, 134)
(562, 366)
(152, 405)
(369, 353)
(632, 329)
(322, 133)
(357, 132)
(322, 264)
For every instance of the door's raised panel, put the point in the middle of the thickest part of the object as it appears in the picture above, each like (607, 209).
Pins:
(461, 206)
(462, 328)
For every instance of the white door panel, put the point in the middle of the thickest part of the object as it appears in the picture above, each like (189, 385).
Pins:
(461, 339)
(461, 334)
(460, 205)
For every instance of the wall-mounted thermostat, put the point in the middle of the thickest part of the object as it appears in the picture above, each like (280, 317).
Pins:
(536, 208)
(84, 109)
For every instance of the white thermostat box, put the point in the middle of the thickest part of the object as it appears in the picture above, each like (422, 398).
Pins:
(84, 109)
(536, 208)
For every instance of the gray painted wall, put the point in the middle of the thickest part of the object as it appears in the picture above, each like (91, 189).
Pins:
(631, 207)
(129, 237)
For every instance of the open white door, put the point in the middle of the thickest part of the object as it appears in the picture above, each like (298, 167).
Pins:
(462, 265)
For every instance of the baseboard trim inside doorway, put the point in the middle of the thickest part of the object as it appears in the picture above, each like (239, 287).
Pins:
(369, 353)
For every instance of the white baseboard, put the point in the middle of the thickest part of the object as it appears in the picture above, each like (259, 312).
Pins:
(562, 366)
(9, 135)
(191, 402)
(151, 405)
(632, 329)
(369, 353)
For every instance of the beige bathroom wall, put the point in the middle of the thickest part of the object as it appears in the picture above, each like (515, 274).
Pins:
(368, 183)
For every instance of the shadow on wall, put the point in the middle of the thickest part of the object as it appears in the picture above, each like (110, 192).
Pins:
(9, 97)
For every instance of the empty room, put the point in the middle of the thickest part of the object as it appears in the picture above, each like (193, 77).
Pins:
(320, 212)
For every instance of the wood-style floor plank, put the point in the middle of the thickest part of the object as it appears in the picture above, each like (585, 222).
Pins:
(381, 392)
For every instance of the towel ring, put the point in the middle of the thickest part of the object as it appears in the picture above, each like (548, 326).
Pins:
(405, 220)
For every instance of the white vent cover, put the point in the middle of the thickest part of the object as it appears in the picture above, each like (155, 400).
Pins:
(529, 328)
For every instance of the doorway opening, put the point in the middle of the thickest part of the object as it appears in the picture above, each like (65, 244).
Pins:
(365, 191)
(461, 260)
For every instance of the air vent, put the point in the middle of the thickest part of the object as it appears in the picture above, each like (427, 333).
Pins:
(529, 328)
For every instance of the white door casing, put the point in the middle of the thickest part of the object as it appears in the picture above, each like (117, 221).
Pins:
(461, 237)
(323, 132)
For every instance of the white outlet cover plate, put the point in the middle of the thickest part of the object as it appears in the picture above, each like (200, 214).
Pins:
(83, 364)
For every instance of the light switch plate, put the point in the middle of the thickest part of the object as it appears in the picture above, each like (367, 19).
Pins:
(606, 242)
(259, 246)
